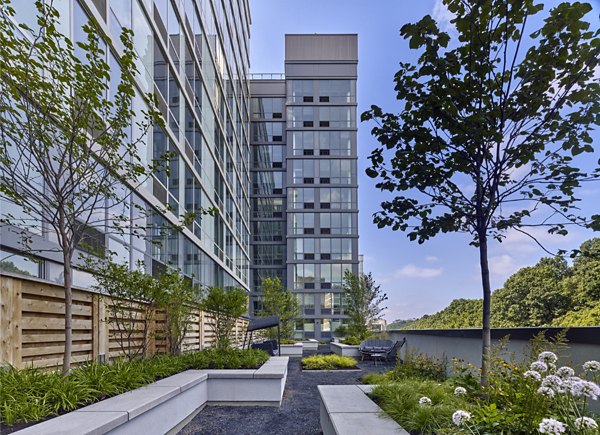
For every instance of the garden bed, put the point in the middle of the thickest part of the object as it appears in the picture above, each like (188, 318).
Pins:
(31, 395)
(329, 362)
(165, 405)
(521, 398)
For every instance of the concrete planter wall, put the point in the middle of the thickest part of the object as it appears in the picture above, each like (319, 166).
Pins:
(344, 349)
(292, 349)
(311, 344)
(168, 404)
(347, 410)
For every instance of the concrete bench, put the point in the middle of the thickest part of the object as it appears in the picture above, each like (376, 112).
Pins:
(347, 410)
(167, 405)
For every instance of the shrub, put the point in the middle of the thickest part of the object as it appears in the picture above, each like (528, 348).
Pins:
(30, 395)
(352, 340)
(419, 366)
(226, 306)
(328, 362)
(401, 402)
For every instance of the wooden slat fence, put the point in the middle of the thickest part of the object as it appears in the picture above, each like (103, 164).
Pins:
(32, 326)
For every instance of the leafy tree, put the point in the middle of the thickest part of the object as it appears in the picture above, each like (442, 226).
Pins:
(583, 284)
(178, 299)
(362, 302)
(226, 305)
(461, 313)
(281, 302)
(489, 128)
(66, 148)
(134, 299)
(533, 296)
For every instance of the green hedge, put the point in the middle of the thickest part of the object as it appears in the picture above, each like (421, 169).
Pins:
(328, 362)
(30, 394)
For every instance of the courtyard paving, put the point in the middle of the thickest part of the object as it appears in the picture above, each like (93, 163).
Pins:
(299, 411)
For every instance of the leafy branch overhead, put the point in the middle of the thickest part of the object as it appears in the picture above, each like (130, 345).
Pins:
(490, 128)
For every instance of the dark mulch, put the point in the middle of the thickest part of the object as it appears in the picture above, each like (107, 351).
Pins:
(299, 411)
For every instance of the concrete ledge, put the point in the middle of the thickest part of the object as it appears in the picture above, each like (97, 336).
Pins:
(344, 349)
(162, 406)
(346, 410)
(292, 349)
(311, 344)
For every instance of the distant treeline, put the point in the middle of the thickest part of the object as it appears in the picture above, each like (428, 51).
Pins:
(551, 293)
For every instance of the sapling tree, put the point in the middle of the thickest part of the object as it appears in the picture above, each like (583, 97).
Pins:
(70, 137)
(225, 305)
(363, 301)
(134, 299)
(491, 125)
(279, 301)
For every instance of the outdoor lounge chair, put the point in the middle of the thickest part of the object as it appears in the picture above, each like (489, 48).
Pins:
(386, 348)
(269, 346)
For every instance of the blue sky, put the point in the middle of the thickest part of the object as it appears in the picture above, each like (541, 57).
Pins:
(419, 279)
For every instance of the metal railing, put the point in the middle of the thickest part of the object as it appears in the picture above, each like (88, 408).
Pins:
(267, 76)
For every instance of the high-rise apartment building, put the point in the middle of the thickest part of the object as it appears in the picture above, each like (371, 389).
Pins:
(193, 54)
(304, 177)
(289, 207)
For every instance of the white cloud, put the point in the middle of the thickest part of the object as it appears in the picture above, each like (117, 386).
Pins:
(442, 15)
(412, 271)
(502, 265)
(431, 258)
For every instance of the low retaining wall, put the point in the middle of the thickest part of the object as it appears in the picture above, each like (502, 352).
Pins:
(311, 344)
(584, 342)
(167, 404)
(344, 349)
(347, 410)
(292, 349)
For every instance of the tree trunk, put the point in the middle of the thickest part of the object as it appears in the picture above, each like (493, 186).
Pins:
(68, 313)
(487, 294)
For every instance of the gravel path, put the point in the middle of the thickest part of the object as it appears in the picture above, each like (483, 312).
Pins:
(299, 411)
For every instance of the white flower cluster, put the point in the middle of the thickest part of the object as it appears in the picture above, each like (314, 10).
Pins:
(539, 366)
(583, 423)
(555, 383)
(552, 426)
(584, 388)
(460, 391)
(565, 372)
(533, 375)
(461, 417)
(545, 391)
(548, 357)
(592, 366)
(424, 401)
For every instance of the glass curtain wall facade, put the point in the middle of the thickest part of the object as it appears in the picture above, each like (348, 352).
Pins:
(193, 54)
(304, 197)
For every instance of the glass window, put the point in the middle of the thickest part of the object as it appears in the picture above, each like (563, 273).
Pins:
(300, 91)
(268, 254)
(336, 117)
(301, 197)
(304, 249)
(336, 223)
(267, 182)
(300, 116)
(303, 140)
(335, 197)
(267, 231)
(267, 156)
(336, 249)
(304, 274)
(267, 207)
(336, 91)
(267, 108)
(11, 262)
(303, 171)
(302, 223)
(267, 132)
